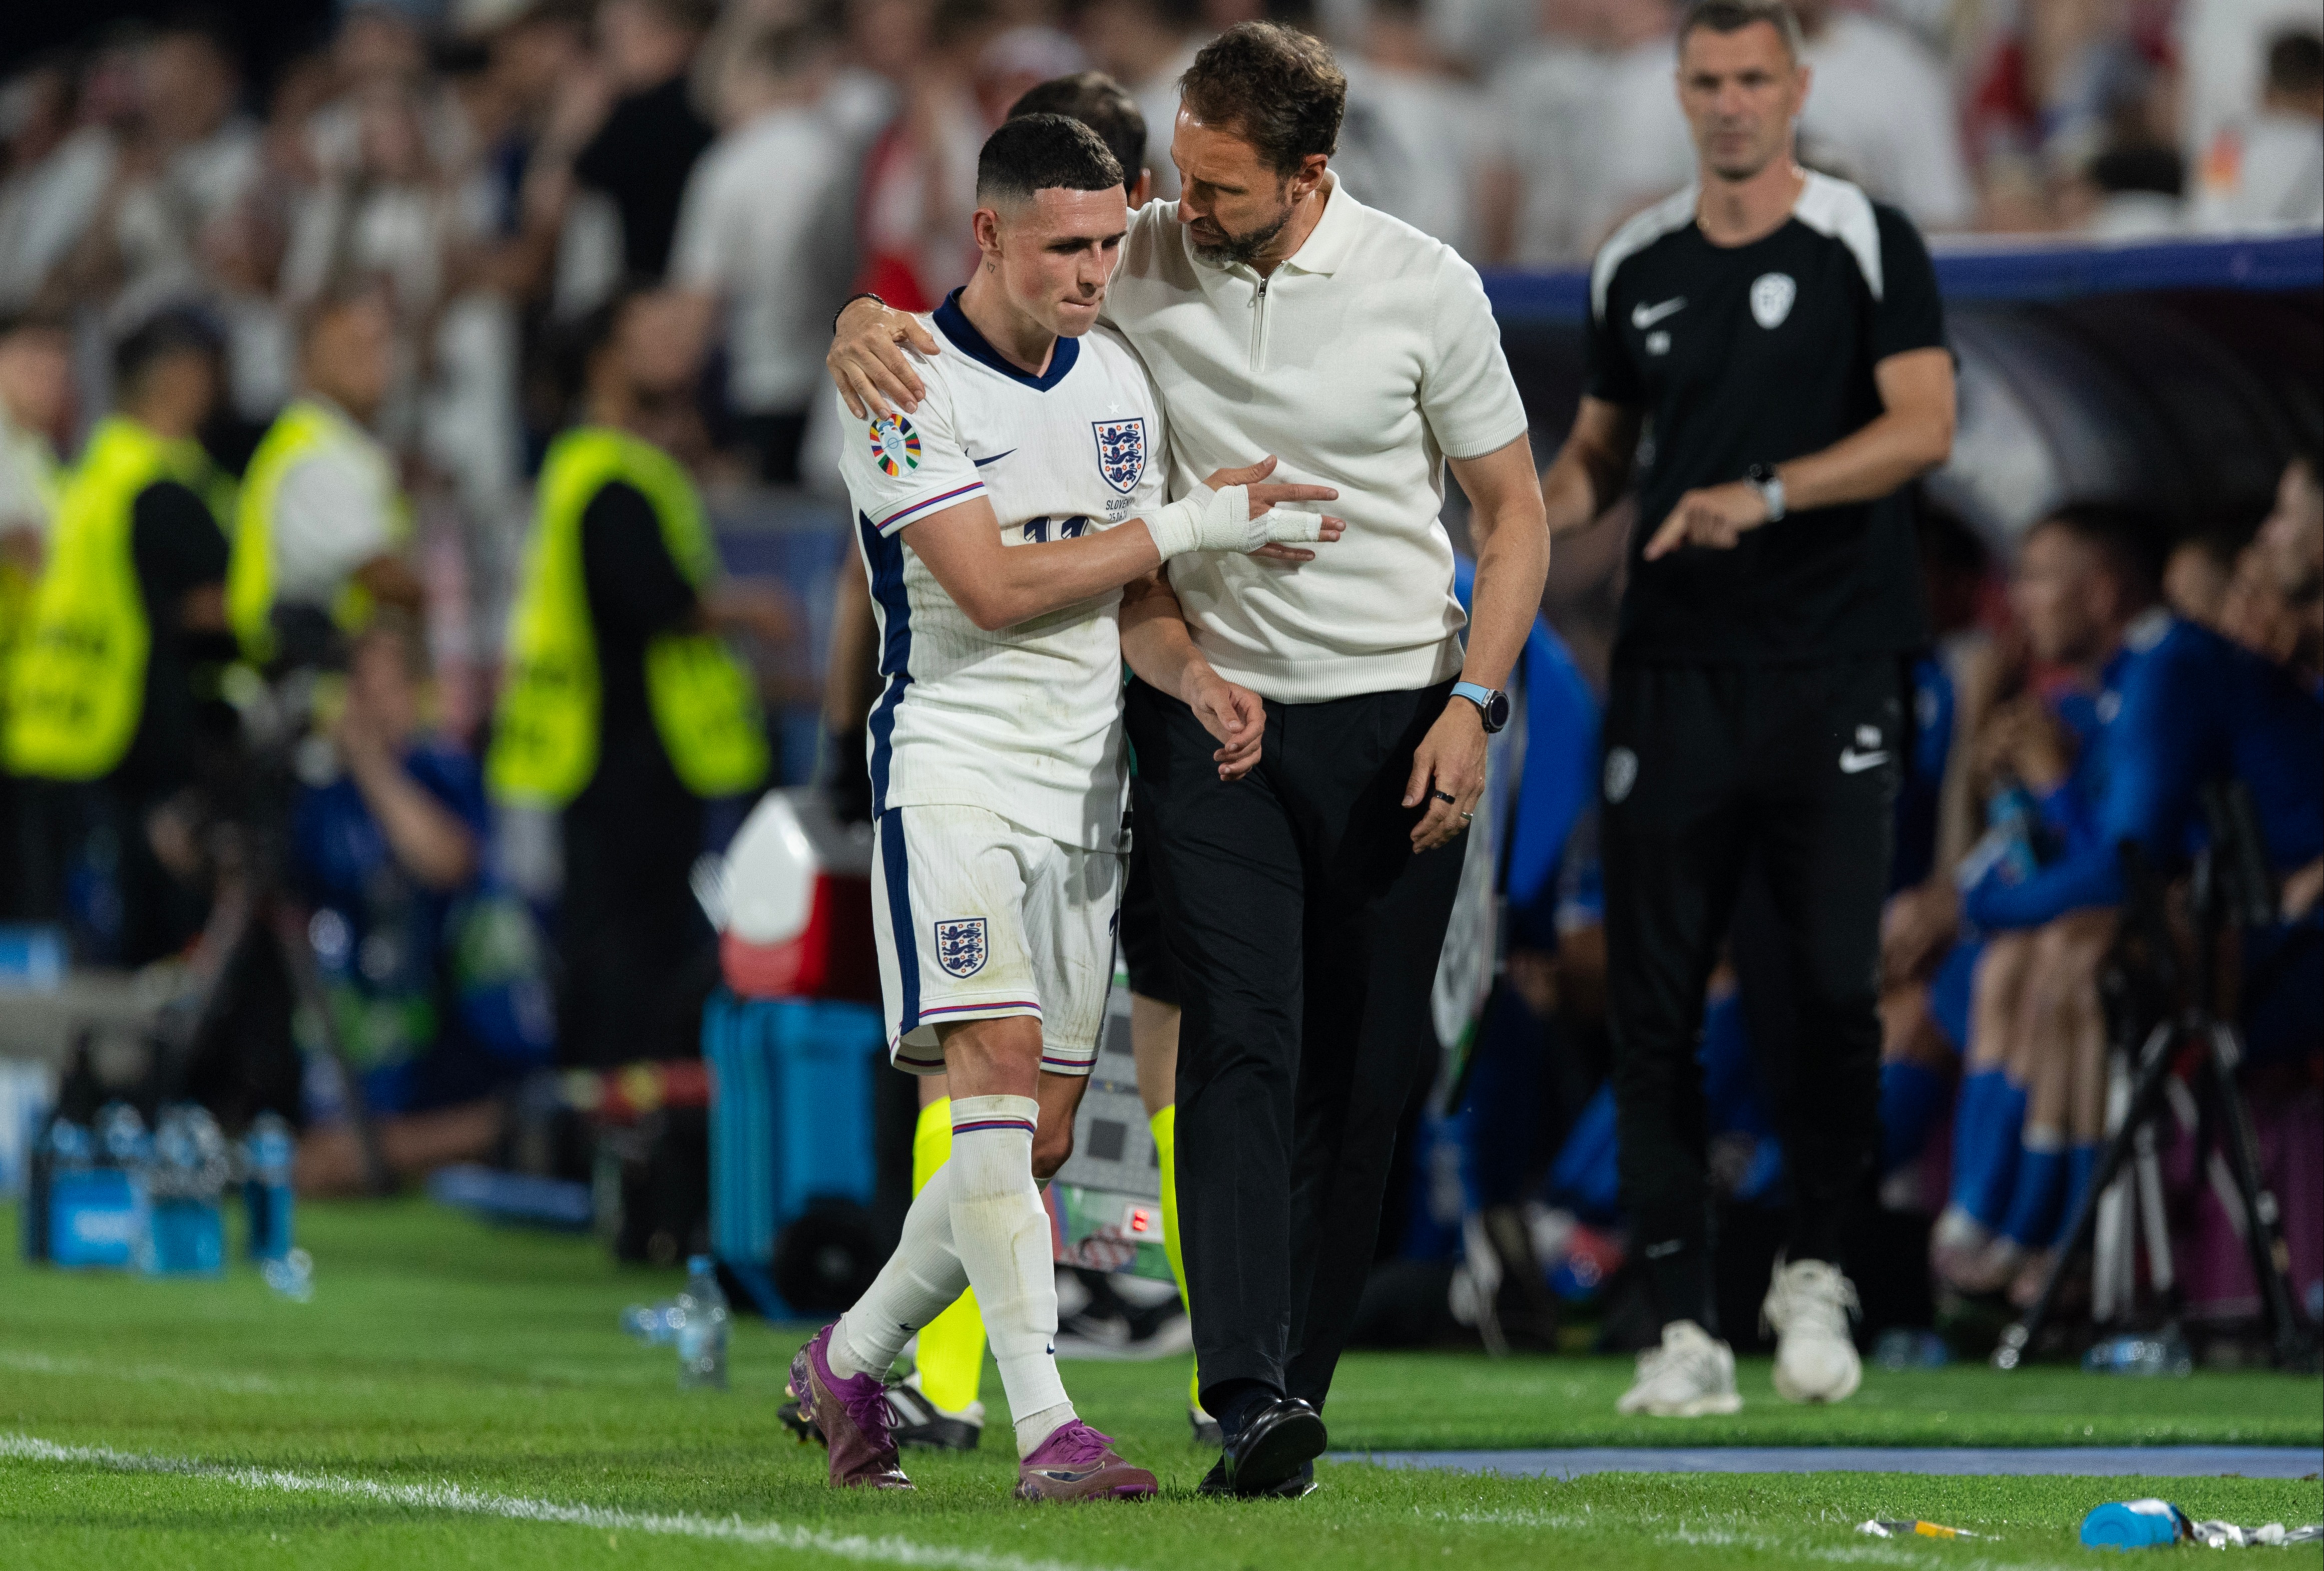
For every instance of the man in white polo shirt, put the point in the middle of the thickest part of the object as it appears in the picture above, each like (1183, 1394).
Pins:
(1275, 312)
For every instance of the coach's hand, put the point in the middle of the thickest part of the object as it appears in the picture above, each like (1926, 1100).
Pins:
(1450, 761)
(1266, 497)
(1716, 517)
(868, 367)
(1236, 716)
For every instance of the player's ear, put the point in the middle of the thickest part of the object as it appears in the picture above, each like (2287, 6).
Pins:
(1141, 189)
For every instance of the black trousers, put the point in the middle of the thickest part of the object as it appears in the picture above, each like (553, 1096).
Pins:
(1305, 934)
(1710, 769)
(637, 959)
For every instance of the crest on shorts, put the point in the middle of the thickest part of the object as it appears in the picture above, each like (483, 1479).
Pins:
(895, 447)
(1121, 452)
(1772, 294)
(960, 945)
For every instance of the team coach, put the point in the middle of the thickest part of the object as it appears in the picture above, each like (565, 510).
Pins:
(1784, 334)
(1305, 902)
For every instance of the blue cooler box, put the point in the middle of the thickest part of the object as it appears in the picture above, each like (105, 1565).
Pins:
(791, 1122)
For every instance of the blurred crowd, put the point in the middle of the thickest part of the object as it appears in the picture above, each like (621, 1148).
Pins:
(505, 164)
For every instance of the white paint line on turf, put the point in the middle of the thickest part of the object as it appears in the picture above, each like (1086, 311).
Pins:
(452, 1497)
(143, 1373)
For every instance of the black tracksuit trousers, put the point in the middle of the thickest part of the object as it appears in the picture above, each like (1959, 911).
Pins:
(1305, 933)
(1710, 769)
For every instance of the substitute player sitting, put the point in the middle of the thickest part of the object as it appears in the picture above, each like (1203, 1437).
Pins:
(997, 771)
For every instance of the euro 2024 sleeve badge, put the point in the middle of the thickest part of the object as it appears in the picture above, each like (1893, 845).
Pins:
(895, 447)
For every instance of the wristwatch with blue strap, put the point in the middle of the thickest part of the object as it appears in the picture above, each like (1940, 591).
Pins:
(1491, 703)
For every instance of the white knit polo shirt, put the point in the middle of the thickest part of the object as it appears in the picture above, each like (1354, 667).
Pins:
(1369, 357)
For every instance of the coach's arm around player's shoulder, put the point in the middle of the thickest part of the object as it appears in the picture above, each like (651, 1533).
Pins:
(1000, 585)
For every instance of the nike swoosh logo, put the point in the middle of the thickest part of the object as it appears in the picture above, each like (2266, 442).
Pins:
(1647, 316)
(996, 457)
(1854, 762)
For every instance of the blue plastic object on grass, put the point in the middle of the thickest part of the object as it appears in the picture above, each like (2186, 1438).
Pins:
(2151, 1355)
(188, 1182)
(266, 1152)
(2135, 1524)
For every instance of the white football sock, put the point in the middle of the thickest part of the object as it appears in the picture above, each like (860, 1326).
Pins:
(919, 1283)
(1002, 1235)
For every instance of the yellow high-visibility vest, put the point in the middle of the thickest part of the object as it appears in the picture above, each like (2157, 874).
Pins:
(545, 735)
(78, 686)
(306, 427)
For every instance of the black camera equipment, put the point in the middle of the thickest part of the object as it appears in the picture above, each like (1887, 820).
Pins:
(249, 836)
(2173, 1017)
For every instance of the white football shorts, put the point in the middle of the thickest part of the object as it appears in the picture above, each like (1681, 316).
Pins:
(977, 918)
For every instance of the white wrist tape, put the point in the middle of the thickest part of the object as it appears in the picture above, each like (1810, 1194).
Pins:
(1221, 521)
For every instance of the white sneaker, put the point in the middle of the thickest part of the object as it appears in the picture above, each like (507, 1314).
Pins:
(1807, 1307)
(1691, 1374)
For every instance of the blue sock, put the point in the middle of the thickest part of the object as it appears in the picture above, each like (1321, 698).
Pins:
(1991, 1115)
(2081, 1167)
(2033, 1206)
(1910, 1096)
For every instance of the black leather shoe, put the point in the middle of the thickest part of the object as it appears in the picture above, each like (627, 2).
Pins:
(1299, 1484)
(1272, 1455)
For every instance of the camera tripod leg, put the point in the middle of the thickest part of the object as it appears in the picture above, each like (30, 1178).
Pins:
(2294, 1340)
(2154, 1058)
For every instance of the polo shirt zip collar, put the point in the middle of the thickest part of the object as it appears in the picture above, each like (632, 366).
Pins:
(1320, 253)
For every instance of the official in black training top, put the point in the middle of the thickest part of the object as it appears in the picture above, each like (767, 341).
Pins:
(1783, 333)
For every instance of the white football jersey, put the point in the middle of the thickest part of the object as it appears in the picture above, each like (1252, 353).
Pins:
(1025, 722)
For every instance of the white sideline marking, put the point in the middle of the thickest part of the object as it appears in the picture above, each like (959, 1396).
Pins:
(83, 1368)
(452, 1497)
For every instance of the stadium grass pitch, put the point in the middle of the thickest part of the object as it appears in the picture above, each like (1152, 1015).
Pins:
(460, 1396)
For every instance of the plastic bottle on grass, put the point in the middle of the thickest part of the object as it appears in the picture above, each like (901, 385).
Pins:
(701, 1320)
(188, 1180)
(266, 1154)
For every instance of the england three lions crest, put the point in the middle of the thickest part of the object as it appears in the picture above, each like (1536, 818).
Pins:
(960, 945)
(1121, 452)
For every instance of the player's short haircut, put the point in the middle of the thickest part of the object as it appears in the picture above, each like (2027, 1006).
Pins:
(1735, 15)
(1037, 152)
(167, 334)
(2129, 542)
(1098, 102)
(1277, 86)
(2295, 63)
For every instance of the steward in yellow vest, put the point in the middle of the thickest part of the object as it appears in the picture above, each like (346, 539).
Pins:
(622, 707)
(101, 690)
(321, 524)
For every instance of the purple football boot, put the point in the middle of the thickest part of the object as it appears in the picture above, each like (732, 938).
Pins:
(850, 1416)
(1078, 1462)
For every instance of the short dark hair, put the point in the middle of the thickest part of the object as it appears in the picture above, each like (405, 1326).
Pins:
(170, 332)
(1735, 15)
(2295, 62)
(2129, 539)
(1037, 152)
(1279, 87)
(1098, 102)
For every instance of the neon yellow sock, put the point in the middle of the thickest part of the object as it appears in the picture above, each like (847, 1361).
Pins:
(951, 1361)
(1164, 1125)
